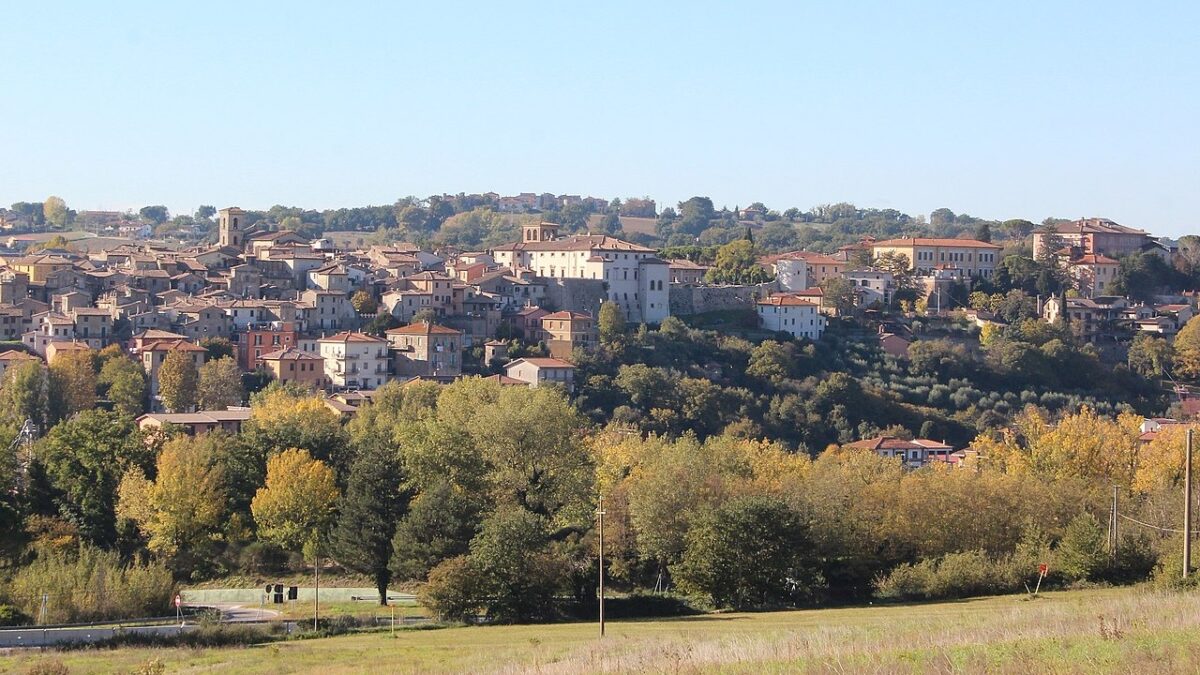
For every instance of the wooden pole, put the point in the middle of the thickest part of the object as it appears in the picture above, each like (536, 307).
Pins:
(316, 588)
(1116, 525)
(600, 513)
(1187, 507)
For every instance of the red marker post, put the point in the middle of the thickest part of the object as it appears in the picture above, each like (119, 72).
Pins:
(1043, 570)
(179, 609)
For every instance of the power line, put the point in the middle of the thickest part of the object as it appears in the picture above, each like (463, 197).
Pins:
(1154, 527)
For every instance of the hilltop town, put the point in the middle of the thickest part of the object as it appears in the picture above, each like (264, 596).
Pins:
(435, 392)
(336, 314)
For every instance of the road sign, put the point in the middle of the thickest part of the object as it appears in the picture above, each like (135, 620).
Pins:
(1043, 568)
(178, 601)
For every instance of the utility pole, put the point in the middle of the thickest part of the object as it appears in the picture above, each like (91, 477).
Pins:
(316, 586)
(1116, 526)
(1187, 507)
(600, 514)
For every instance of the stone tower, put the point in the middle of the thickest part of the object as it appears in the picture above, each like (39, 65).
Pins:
(540, 232)
(229, 227)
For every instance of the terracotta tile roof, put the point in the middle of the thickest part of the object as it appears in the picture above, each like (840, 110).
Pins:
(922, 241)
(17, 355)
(583, 242)
(786, 300)
(423, 328)
(1095, 226)
(290, 354)
(348, 336)
(174, 345)
(1094, 259)
(568, 316)
(543, 362)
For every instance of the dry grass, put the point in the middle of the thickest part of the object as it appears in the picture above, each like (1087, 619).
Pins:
(1102, 631)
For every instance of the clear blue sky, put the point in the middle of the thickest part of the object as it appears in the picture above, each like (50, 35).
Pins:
(1015, 109)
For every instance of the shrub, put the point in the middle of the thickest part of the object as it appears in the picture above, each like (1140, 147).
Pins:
(263, 558)
(955, 575)
(92, 586)
(11, 616)
(1081, 553)
(452, 590)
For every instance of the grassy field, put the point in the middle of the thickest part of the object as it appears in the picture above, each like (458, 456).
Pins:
(1100, 631)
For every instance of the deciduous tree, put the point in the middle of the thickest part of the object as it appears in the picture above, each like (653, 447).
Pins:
(295, 508)
(220, 385)
(178, 380)
(183, 509)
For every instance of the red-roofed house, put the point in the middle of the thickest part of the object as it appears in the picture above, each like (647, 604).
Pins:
(790, 313)
(913, 454)
(426, 350)
(564, 332)
(537, 372)
(355, 360)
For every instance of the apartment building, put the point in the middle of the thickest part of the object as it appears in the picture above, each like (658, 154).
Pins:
(354, 360)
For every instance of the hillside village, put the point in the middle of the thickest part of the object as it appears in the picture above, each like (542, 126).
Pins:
(345, 317)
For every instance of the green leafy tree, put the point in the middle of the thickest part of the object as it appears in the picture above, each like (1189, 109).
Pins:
(26, 394)
(1150, 356)
(839, 294)
(218, 348)
(611, 323)
(178, 381)
(373, 503)
(1081, 552)
(517, 574)
(438, 526)
(751, 552)
(123, 382)
(219, 385)
(85, 458)
(72, 383)
(154, 215)
(736, 262)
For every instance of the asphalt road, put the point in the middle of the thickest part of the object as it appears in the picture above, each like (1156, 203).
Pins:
(37, 637)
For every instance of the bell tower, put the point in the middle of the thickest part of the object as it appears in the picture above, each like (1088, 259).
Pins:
(229, 227)
(539, 232)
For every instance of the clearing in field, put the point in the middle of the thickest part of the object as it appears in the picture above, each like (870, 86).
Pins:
(1095, 631)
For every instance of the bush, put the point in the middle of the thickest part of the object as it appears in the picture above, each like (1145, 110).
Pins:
(452, 591)
(263, 558)
(1081, 554)
(11, 616)
(955, 575)
(92, 586)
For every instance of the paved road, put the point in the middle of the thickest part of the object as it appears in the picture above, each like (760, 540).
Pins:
(36, 637)
(232, 612)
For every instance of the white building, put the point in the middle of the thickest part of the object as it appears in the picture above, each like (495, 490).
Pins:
(355, 360)
(791, 314)
(871, 285)
(638, 281)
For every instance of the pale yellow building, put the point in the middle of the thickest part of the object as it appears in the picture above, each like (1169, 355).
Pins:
(925, 255)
